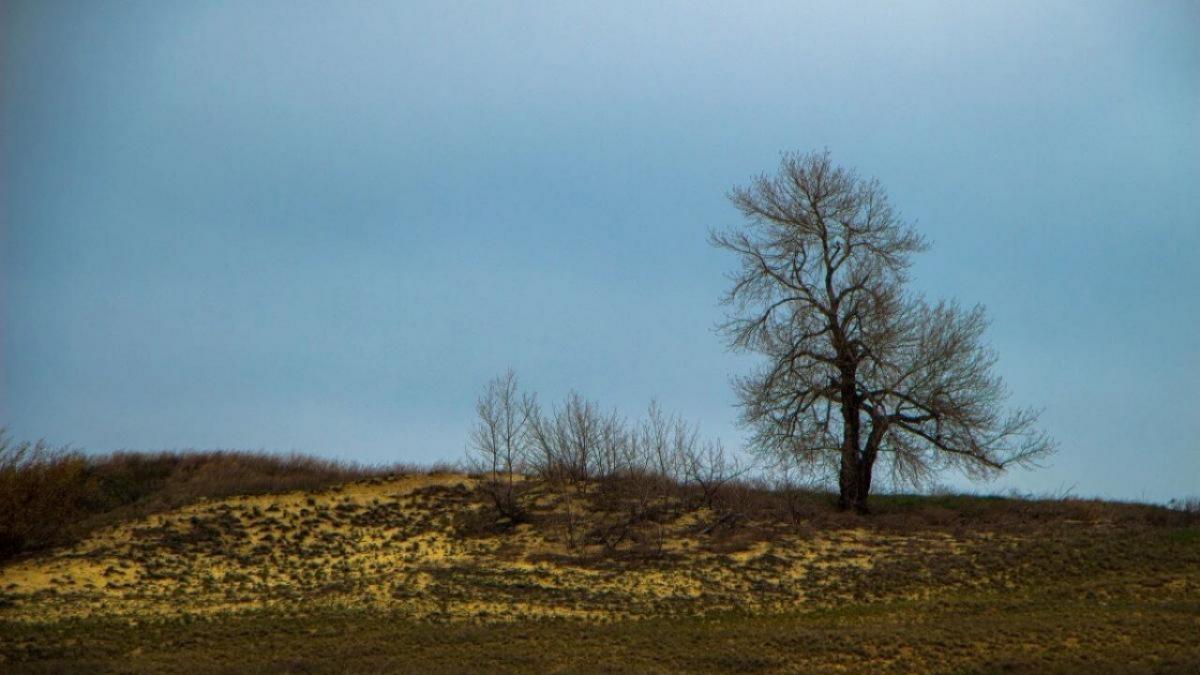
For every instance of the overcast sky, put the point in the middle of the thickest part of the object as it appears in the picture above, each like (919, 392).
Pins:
(323, 226)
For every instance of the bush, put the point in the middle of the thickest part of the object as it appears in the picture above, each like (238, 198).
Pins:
(53, 496)
(42, 490)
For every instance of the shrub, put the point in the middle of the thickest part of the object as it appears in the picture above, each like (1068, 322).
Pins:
(42, 490)
(53, 496)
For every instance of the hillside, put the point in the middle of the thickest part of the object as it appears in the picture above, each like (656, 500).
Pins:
(413, 572)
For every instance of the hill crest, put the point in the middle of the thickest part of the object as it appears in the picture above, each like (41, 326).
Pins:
(425, 546)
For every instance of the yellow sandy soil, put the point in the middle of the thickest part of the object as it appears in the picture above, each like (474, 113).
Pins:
(391, 544)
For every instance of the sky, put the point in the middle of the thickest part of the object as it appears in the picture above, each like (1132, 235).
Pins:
(322, 227)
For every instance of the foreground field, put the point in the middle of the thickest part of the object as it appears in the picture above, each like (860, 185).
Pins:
(412, 573)
(981, 634)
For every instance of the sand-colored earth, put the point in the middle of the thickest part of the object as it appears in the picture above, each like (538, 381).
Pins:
(396, 544)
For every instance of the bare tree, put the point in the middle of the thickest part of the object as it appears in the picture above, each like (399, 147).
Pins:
(613, 482)
(565, 447)
(615, 446)
(569, 441)
(499, 442)
(707, 466)
(664, 440)
(858, 369)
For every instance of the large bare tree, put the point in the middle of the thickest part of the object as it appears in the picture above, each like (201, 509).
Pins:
(859, 371)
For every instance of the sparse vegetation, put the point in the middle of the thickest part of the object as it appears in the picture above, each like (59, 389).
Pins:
(54, 496)
(640, 531)
(386, 573)
(610, 478)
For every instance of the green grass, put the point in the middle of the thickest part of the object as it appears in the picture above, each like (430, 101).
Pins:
(1186, 535)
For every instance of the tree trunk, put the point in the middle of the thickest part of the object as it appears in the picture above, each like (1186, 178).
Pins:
(849, 484)
(854, 480)
(854, 483)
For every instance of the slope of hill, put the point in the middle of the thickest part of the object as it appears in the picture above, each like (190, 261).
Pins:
(412, 572)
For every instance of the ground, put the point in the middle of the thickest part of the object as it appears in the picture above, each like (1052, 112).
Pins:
(413, 573)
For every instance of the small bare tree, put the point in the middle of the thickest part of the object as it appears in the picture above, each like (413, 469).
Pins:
(654, 440)
(568, 442)
(565, 446)
(499, 443)
(857, 368)
(646, 476)
(707, 466)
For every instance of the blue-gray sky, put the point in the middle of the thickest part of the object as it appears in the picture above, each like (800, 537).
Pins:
(323, 226)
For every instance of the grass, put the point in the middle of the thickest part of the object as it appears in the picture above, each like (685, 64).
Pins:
(961, 634)
(414, 572)
(56, 496)
(1185, 535)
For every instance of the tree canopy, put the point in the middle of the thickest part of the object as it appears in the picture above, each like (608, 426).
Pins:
(859, 371)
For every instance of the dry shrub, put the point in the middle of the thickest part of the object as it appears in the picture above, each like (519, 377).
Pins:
(51, 497)
(42, 489)
(177, 478)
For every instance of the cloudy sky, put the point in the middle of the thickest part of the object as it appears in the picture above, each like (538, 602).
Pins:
(323, 226)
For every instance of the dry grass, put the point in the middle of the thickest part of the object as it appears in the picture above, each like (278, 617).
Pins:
(417, 572)
(55, 496)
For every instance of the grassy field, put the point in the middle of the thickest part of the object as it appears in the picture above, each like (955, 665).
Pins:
(983, 633)
(412, 572)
